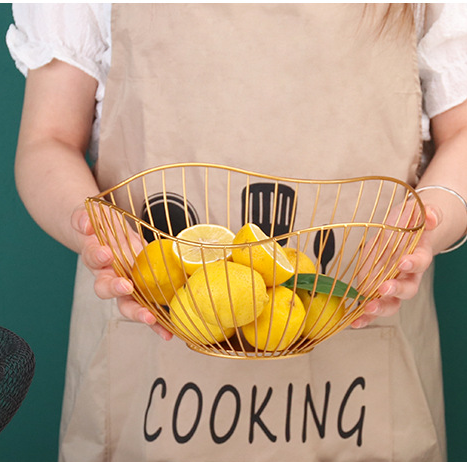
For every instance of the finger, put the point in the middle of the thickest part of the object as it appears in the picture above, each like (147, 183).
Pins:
(96, 256)
(404, 288)
(81, 222)
(362, 321)
(385, 306)
(108, 285)
(131, 309)
(419, 260)
(162, 331)
(367, 317)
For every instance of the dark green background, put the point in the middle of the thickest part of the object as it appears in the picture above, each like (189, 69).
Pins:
(36, 282)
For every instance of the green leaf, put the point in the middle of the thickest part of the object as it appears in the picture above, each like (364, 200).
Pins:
(324, 285)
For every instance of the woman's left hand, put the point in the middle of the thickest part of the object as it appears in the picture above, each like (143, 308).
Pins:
(406, 285)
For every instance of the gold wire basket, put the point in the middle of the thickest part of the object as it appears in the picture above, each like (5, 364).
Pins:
(354, 231)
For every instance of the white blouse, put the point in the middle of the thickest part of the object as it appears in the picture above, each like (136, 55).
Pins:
(80, 35)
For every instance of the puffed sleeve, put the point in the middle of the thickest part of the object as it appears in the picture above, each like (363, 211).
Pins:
(442, 53)
(78, 34)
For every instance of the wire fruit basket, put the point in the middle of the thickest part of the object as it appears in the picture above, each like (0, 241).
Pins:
(296, 263)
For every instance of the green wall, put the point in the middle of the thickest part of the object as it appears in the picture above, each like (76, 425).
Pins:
(36, 282)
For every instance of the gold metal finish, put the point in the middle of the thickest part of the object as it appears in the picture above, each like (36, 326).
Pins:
(354, 230)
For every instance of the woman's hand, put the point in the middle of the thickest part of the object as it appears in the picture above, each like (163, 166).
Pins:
(107, 283)
(407, 283)
(445, 214)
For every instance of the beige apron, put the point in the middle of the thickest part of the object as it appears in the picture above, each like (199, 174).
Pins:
(302, 90)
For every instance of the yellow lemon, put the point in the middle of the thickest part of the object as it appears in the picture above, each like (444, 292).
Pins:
(324, 312)
(300, 260)
(156, 273)
(193, 255)
(188, 321)
(225, 290)
(281, 321)
(268, 258)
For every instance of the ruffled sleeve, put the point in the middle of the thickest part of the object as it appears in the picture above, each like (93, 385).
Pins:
(442, 53)
(78, 34)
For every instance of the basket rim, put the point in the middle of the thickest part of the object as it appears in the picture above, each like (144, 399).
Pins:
(100, 198)
(280, 237)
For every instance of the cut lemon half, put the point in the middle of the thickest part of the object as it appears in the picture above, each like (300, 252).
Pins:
(199, 251)
(267, 258)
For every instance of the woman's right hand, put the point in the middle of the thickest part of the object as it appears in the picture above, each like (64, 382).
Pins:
(98, 259)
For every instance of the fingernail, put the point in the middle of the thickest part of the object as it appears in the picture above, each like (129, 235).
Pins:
(166, 336)
(146, 317)
(406, 265)
(102, 256)
(142, 317)
(83, 223)
(358, 324)
(373, 307)
(124, 287)
(387, 289)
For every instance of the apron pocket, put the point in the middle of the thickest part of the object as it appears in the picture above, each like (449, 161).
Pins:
(337, 403)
